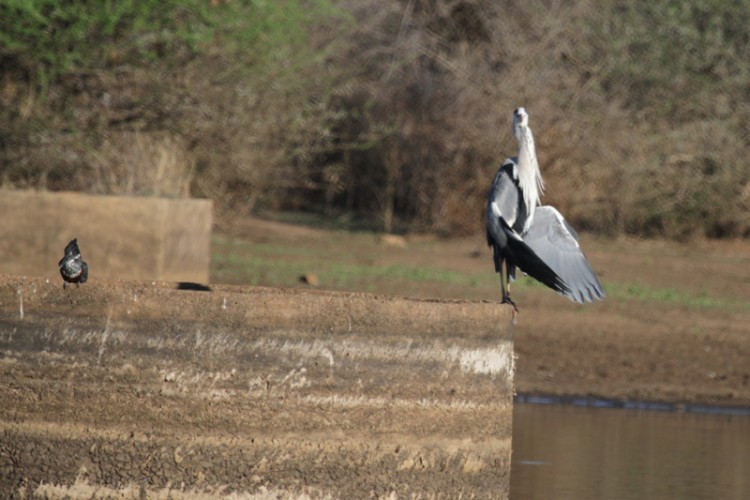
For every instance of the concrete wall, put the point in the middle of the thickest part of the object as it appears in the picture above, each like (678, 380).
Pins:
(139, 390)
(119, 236)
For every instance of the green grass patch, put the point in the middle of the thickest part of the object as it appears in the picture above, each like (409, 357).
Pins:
(237, 247)
(639, 291)
(265, 270)
(242, 262)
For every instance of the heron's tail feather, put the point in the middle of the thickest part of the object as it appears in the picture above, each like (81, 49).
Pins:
(534, 266)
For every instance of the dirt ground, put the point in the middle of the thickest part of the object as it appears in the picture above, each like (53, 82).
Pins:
(675, 327)
(124, 389)
(161, 390)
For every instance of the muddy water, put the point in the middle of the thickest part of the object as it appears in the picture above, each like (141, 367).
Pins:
(582, 452)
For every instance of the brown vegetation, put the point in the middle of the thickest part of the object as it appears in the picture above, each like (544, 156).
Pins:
(398, 113)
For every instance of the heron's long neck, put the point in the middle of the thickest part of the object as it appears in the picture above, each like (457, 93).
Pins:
(529, 175)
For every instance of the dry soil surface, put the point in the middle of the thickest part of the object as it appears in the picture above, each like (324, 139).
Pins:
(158, 390)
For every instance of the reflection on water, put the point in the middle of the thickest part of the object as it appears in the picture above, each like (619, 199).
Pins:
(576, 452)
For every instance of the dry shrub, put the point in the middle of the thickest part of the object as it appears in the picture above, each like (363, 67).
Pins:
(142, 163)
(426, 120)
(426, 110)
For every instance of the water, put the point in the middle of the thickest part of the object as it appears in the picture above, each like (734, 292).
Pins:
(562, 452)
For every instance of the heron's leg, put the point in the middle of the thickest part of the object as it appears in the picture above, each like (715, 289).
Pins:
(505, 284)
(502, 280)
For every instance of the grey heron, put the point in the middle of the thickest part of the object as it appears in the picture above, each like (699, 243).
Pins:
(536, 239)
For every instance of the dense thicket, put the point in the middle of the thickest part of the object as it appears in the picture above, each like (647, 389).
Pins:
(394, 112)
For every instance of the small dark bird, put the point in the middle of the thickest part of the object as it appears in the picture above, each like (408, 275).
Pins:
(72, 267)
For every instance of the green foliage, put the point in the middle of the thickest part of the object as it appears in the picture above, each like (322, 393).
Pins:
(54, 37)
(84, 78)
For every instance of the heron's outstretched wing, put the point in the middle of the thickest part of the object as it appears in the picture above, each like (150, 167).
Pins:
(556, 243)
(532, 264)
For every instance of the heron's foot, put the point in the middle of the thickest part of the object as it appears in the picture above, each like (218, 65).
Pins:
(508, 300)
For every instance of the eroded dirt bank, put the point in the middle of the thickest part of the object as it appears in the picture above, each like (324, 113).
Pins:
(141, 390)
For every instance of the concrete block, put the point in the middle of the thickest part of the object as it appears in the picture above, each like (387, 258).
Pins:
(119, 236)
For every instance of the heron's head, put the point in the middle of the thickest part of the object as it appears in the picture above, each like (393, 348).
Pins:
(520, 117)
